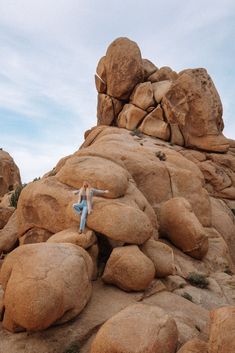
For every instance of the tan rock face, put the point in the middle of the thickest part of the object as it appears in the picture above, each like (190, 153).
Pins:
(105, 111)
(112, 218)
(222, 330)
(101, 173)
(163, 74)
(160, 89)
(161, 255)
(181, 226)
(129, 269)
(137, 329)
(194, 346)
(124, 67)
(130, 117)
(33, 278)
(194, 104)
(149, 68)
(142, 96)
(5, 214)
(35, 235)
(9, 173)
(9, 234)
(154, 125)
(46, 204)
(71, 235)
(100, 77)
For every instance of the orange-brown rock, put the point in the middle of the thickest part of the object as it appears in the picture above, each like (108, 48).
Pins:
(100, 76)
(34, 277)
(105, 111)
(179, 224)
(100, 172)
(195, 345)
(163, 74)
(5, 214)
(222, 330)
(35, 235)
(160, 89)
(129, 269)
(142, 96)
(9, 173)
(194, 104)
(124, 68)
(137, 329)
(149, 68)
(154, 125)
(46, 204)
(130, 117)
(161, 255)
(72, 235)
(112, 218)
(9, 234)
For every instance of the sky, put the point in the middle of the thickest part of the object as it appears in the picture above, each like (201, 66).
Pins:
(49, 50)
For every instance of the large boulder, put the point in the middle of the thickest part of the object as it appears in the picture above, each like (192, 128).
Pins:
(194, 104)
(5, 214)
(161, 255)
(112, 218)
(124, 68)
(9, 173)
(35, 235)
(142, 96)
(129, 269)
(101, 173)
(46, 204)
(137, 329)
(180, 225)
(130, 116)
(9, 234)
(222, 330)
(44, 284)
(72, 235)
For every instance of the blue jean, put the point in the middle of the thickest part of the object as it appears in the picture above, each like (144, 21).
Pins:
(81, 208)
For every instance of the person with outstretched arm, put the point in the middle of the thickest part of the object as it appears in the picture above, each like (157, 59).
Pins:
(85, 202)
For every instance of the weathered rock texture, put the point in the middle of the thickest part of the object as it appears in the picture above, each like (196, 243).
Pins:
(192, 109)
(44, 284)
(9, 173)
(137, 329)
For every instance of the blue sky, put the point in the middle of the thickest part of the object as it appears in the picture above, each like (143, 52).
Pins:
(50, 48)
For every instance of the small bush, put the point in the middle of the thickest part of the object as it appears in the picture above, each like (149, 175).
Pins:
(15, 195)
(72, 348)
(228, 271)
(187, 296)
(36, 179)
(136, 132)
(198, 280)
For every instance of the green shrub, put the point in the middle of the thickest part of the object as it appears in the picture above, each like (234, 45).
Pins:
(15, 195)
(187, 296)
(36, 179)
(72, 348)
(198, 280)
(136, 132)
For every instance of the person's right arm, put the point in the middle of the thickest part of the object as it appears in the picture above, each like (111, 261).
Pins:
(75, 192)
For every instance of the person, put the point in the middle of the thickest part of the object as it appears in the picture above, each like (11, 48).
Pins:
(85, 202)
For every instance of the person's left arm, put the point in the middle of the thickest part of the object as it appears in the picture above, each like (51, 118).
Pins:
(99, 191)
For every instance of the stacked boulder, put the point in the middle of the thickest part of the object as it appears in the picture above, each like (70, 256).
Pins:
(169, 212)
(183, 108)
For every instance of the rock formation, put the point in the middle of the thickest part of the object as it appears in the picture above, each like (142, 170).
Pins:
(164, 235)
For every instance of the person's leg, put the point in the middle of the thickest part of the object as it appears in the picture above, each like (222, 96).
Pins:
(78, 207)
(83, 217)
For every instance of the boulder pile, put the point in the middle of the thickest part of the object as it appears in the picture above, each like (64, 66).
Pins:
(164, 235)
